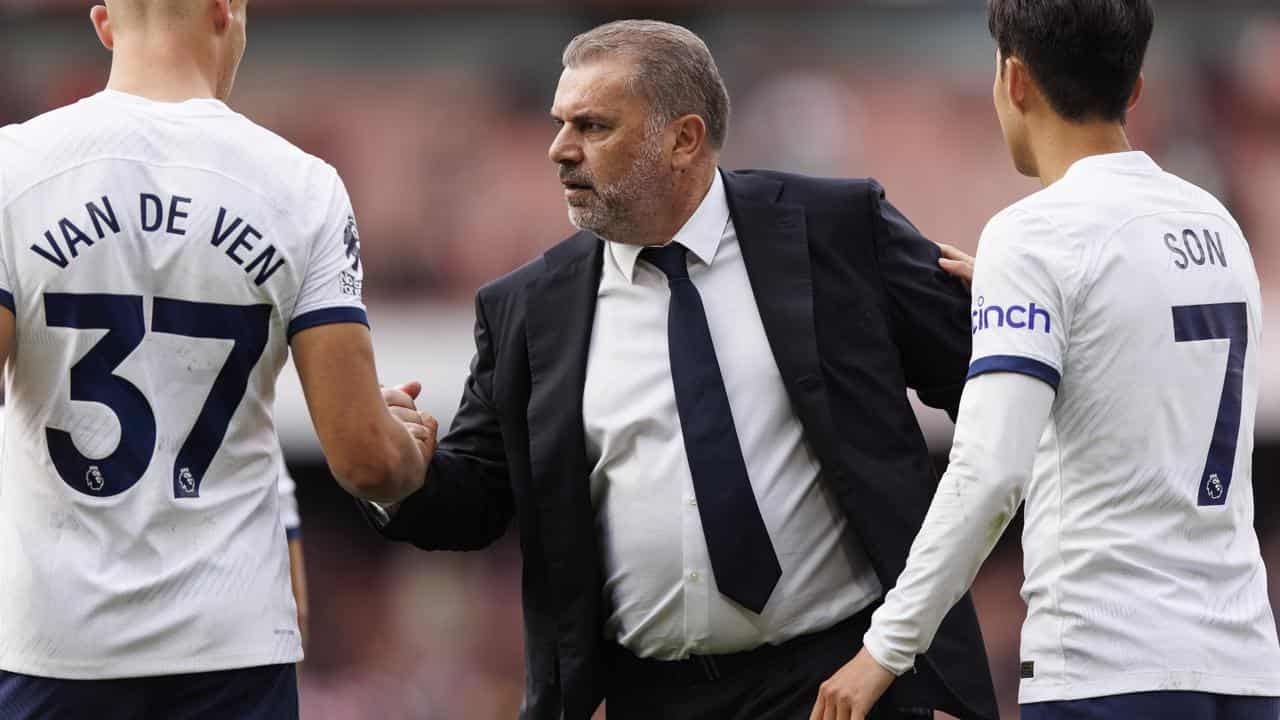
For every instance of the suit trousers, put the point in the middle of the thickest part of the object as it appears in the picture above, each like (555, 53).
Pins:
(772, 683)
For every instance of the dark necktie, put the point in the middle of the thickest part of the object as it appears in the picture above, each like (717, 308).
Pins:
(742, 556)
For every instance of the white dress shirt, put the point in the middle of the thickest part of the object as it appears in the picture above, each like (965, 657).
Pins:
(659, 583)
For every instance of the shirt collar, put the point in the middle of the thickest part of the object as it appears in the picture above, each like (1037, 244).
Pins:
(1132, 161)
(701, 233)
(193, 106)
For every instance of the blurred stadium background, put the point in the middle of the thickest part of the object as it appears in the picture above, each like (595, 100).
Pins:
(435, 113)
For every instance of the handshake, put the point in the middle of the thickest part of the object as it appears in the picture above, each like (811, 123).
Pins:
(422, 427)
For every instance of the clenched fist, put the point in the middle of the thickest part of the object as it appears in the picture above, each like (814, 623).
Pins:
(421, 426)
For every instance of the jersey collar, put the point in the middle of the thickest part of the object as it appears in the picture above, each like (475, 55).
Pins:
(194, 106)
(1134, 161)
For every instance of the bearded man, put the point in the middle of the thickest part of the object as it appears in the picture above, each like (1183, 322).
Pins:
(696, 410)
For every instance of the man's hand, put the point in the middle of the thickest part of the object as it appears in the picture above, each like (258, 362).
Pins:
(853, 690)
(421, 426)
(958, 263)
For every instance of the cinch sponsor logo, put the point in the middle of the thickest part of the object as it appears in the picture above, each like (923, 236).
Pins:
(1018, 317)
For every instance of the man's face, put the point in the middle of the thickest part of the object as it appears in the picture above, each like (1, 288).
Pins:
(610, 157)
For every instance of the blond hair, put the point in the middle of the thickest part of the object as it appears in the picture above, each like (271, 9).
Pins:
(126, 13)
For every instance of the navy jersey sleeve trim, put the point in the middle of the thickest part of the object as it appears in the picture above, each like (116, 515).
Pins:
(6, 299)
(293, 533)
(1016, 364)
(327, 316)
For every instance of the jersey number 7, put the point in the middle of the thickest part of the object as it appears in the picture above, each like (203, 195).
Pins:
(93, 379)
(1223, 321)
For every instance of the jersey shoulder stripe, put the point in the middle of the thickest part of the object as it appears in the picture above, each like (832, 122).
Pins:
(327, 316)
(1016, 364)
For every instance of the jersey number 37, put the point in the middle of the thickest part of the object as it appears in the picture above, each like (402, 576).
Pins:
(93, 379)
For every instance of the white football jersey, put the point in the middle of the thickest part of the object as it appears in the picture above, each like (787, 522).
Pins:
(158, 257)
(1134, 294)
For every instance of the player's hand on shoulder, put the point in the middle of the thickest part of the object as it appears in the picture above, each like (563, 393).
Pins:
(957, 263)
(421, 426)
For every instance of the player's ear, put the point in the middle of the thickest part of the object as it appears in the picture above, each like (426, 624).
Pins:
(691, 137)
(1020, 84)
(102, 26)
(1136, 96)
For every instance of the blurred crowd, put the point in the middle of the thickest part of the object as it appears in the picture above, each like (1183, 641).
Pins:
(440, 126)
(438, 123)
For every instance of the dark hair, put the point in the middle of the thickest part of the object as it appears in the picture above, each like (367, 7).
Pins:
(1085, 55)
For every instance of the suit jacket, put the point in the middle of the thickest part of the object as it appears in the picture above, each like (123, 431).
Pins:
(856, 310)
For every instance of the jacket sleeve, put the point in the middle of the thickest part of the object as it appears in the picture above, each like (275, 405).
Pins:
(466, 502)
(929, 309)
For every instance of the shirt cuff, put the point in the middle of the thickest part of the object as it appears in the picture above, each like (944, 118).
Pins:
(895, 661)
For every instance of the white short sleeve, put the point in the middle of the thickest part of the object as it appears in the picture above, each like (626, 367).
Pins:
(1021, 303)
(332, 289)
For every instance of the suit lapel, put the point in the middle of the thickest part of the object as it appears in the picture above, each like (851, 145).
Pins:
(560, 314)
(775, 250)
(561, 311)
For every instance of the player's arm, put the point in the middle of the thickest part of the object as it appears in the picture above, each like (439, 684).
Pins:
(373, 455)
(1002, 416)
(1026, 279)
(467, 501)
(929, 309)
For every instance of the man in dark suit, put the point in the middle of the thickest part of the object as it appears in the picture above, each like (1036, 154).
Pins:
(696, 410)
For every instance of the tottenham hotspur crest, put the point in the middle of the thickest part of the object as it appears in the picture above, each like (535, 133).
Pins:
(352, 239)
